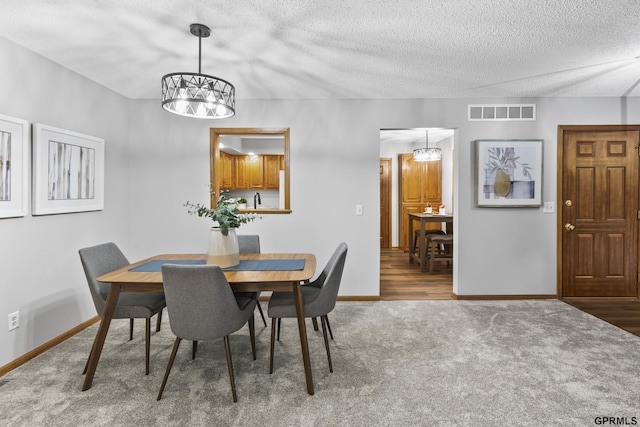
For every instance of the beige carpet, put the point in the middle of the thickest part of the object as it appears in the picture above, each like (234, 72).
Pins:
(427, 363)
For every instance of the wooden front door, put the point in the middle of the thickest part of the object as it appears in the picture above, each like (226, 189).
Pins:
(385, 203)
(598, 212)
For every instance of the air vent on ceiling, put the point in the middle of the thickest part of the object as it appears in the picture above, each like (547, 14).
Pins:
(502, 112)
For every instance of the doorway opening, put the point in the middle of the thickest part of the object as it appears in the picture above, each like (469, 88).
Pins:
(403, 186)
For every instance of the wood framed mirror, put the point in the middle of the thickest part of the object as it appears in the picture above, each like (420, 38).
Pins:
(251, 164)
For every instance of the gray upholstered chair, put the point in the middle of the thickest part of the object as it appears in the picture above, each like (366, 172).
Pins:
(104, 258)
(318, 297)
(247, 244)
(250, 244)
(202, 306)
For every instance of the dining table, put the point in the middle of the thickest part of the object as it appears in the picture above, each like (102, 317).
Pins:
(423, 218)
(260, 274)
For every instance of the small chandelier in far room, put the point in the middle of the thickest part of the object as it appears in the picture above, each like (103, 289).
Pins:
(427, 154)
(196, 94)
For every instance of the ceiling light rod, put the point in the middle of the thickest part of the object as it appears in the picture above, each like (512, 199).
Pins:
(198, 95)
(200, 31)
(427, 154)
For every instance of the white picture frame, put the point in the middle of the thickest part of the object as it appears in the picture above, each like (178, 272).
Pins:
(68, 171)
(508, 173)
(14, 167)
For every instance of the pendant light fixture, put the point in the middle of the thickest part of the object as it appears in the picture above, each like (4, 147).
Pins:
(196, 94)
(427, 154)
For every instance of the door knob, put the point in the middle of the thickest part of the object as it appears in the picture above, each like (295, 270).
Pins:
(568, 202)
(569, 227)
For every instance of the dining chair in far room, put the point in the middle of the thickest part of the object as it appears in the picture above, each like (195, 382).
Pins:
(202, 306)
(420, 240)
(436, 242)
(104, 258)
(250, 244)
(318, 298)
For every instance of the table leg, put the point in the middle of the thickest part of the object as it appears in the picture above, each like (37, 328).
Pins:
(297, 295)
(101, 335)
(423, 247)
(412, 247)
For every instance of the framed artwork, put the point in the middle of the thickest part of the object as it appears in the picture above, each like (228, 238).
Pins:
(14, 167)
(508, 173)
(68, 171)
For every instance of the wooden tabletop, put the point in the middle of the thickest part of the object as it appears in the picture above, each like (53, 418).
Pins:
(431, 217)
(240, 280)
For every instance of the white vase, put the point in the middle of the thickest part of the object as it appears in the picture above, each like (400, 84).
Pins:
(223, 250)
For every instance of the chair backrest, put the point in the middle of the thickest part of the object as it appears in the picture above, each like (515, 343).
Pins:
(200, 302)
(99, 260)
(249, 243)
(330, 279)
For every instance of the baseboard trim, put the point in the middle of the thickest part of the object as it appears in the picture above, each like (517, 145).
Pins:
(359, 298)
(264, 298)
(501, 297)
(46, 346)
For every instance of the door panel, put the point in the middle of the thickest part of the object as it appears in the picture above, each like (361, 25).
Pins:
(385, 203)
(411, 176)
(600, 233)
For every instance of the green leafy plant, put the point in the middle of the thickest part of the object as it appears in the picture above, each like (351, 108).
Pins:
(242, 200)
(506, 159)
(225, 213)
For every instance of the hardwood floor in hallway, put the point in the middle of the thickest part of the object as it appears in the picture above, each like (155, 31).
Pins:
(401, 280)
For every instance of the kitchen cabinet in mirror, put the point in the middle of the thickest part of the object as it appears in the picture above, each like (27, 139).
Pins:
(253, 164)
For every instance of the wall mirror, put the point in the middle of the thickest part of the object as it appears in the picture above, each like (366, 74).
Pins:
(252, 164)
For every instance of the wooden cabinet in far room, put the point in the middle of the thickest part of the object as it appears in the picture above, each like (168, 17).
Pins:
(255, 172)
(420, 183)
(226, 171)
(272, 164)
(248, 172)
(240, 170)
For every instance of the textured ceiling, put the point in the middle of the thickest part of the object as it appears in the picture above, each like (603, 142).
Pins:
(282, 49)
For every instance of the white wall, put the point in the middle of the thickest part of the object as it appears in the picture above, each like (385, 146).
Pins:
(333, 168)
(40, 271)
(513, 251)
(155, 162)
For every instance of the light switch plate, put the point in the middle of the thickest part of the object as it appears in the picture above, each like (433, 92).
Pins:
(359, 210)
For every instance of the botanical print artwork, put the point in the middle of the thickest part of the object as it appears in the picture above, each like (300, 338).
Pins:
(71, 172)
(5, 166)
(509, 172)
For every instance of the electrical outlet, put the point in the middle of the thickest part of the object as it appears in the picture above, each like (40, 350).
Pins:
(14, 320)
(358, 210)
